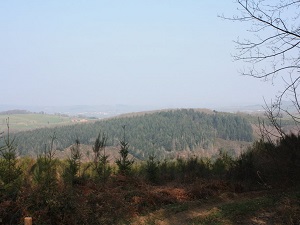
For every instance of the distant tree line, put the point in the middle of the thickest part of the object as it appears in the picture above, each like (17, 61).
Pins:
(15, 111)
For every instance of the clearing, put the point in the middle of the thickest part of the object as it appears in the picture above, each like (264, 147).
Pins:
(260, 207)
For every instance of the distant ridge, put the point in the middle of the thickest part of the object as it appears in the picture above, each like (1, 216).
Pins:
(15, 111)
(142, 113)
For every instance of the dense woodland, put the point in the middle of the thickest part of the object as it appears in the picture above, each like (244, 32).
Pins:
(73, 191)
(55, 191)
(155, 133)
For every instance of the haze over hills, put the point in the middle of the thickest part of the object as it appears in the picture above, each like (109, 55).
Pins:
(99, 111)
(106, 111)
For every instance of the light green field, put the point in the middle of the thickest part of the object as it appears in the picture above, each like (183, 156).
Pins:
(22, 122)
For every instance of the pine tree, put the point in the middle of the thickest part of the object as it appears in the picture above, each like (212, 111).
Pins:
(10, 172)
(72, 172)
(124, 163)
(100, 158)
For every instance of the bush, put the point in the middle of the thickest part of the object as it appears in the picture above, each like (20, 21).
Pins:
(152, 169)
(267, 163)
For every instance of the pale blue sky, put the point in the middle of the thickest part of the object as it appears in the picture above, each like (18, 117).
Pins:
(160, 53)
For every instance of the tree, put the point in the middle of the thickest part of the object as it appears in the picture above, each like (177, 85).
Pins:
(124, 163)
(152, 169)
(101, 159)
(10, 172)
(273, 50)
(72, 171)
(45, 168)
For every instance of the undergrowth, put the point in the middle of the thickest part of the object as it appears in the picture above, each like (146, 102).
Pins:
(55, 191)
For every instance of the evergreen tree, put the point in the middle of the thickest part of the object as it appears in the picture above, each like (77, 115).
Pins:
(10, 172)
(100, 158)
(152, 169)
(44, 170)
(72, 172)
(124, 163)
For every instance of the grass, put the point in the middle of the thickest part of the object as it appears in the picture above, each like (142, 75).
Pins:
(269, 209)
(22, 122)
(177, 207)
(234, 213)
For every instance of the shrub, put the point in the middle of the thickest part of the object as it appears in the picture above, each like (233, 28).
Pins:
(72, 171)
(269, 163)
(152, 169)
(10, 172)
(100, 166)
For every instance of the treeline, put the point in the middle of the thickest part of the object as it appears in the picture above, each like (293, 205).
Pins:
(15, 111)
(159, 133)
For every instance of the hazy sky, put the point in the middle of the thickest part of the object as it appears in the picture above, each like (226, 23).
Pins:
(170, 53)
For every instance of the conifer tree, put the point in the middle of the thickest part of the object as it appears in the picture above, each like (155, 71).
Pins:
(100, 157)
(72, 172)
(124, 163)
(10, 172)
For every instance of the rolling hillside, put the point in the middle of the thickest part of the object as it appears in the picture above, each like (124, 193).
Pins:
(167, 134)
(21, 120)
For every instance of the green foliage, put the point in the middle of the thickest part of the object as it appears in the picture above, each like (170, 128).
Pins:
(51, 201)
(244, 169)
(124, 163)
(268, 163)
(223, 164)
(101, 166)
(163, 132)
(152, 169)
(72, 171)
(198, 168)
(183, 170)
(10, 172)
(44, 170)
(99, 145)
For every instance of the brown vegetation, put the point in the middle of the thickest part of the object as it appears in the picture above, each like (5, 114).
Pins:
(190, 191)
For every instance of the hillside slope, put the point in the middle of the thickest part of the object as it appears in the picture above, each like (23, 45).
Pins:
(20, 120)
(161, 133)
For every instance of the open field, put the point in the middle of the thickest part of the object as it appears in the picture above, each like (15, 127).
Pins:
(22, 122)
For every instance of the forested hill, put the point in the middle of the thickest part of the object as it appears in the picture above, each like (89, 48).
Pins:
(159, 132)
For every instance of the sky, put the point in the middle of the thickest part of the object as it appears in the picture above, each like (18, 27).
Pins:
(164, 53)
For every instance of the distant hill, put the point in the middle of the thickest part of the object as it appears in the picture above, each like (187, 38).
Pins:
(258, 108)
(164, 133)
(97, 111)
(14, 111)
(22, 120)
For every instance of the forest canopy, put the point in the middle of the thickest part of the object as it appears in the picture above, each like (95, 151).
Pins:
(160, 132)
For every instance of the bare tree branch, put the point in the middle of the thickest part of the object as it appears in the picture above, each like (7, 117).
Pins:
(273, 51)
